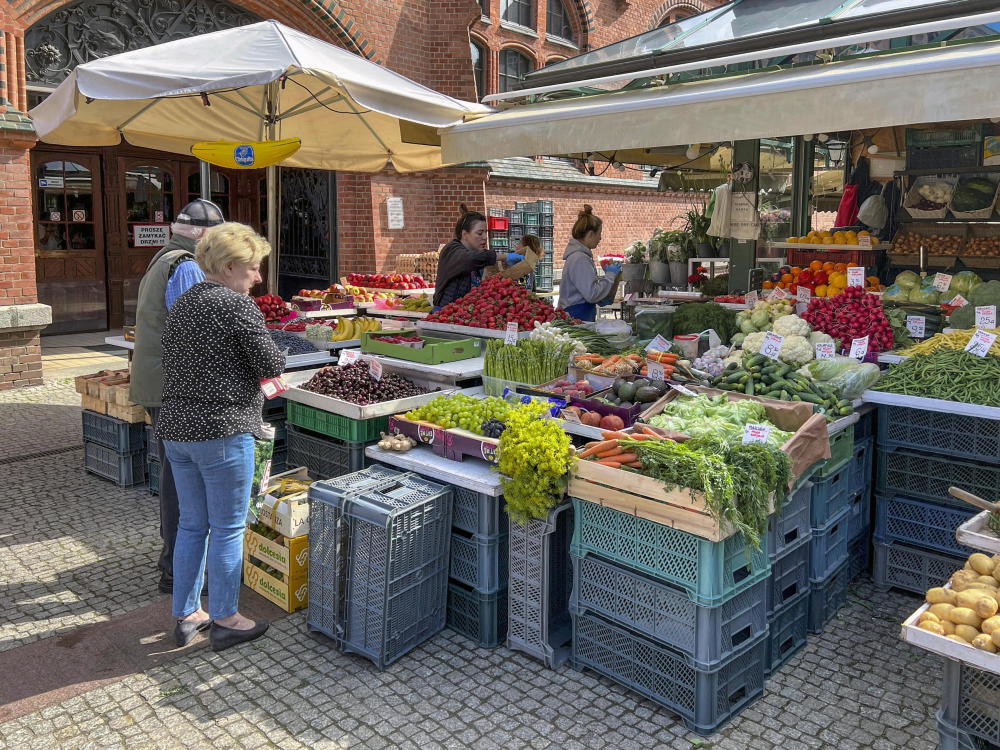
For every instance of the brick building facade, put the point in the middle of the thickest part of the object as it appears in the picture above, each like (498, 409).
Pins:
(88, 271)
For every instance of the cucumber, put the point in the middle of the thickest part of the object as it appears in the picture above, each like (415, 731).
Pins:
(784, 395)
(748, 390)
(796, 397)
(735, 377)
(811, 398)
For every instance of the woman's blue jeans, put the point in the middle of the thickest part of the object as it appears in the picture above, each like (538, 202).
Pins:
(213, 490)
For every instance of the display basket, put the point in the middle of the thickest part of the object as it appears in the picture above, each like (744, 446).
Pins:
(982, 213)
(849, 254)
(913, 197)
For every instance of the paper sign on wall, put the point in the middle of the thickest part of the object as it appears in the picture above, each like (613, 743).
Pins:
(772, 345)
(986, 316)
(859, 348)
(916, 326)
(394, 212)
(856, 276)
(510, 337)
(150, 235)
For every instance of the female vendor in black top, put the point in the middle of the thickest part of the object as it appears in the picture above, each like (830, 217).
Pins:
(462, 260)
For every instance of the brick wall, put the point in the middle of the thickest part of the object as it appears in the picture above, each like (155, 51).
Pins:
(17, 255)
(20, 359)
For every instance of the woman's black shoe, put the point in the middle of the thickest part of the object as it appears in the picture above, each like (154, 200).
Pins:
(222, 637)
(186, 630)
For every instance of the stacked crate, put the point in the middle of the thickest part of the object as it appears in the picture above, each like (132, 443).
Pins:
(539, 219)
(153, 467)
(920, 454)
(329, 445)
(114, 430)
(677, 618)
(860, 493)
(969, 717)
(274, 415)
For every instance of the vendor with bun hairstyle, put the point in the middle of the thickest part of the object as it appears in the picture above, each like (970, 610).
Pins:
(581, 289)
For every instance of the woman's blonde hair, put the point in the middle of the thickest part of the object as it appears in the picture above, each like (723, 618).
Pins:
(230, 242)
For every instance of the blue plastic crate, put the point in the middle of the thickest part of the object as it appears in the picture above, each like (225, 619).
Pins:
(828, 596)
(665, 614)
(152, 444)
(910, 568)
(974, 438)
(859, 557)
(711, 572)
(791, 523)
(830, 493)
(477, 512)
(861, 513)
(480, 617)
(703, 700)
(122, 469)
(118, 435)
(787, 632)
(789, 576)
(969, 704)
(153, 470)
(921, 523)
(865, 426)
(325, 457)
(860, 476)
(928, 476)
(479, 561)
(829, 547)
(841, 449)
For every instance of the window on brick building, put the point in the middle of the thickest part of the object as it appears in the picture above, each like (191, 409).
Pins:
(485, 7)
(677, 14)
(478, 68)
(521, 12)
(513, 68)
(557, 20)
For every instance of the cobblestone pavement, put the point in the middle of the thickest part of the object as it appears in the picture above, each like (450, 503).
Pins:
(855, 686)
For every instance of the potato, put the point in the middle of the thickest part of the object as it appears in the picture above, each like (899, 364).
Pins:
(965, 616)
(958, 639)
(981, 563)
(966, 632)
(988, 581)
(990, 624)
(928, 615)
(931, 627)
(996, 573)
(961, 579)
(986, 607)
(995, 635)
(984, 642)
(942, 610)
(967, 566)
(949, 627)
(968, 598)
(939, 594)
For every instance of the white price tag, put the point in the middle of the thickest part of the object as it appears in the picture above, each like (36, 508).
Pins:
(824, 350)
(683, 390)
(958, 301)
(865, 241)
(654, 371)
(916, 326)
(859, 348)
(756, 433)
(856, 276)
(772, 345)
(659, 344)
(942, 281)
(986, 316)
(273, 387)
(779, 293)
(751, 298)
(511, 336)
(375, 369)
(980, 343)
(570, 416)
(349, 356)
(803, 294)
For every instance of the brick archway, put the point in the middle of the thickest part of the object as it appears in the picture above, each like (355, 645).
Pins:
(695, 6)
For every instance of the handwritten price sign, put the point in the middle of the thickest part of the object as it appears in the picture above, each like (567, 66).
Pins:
(986, 316)
(824, 350)
(772, 345)
(916, 326)
(856, 276)
(981, 343)
(349, 356)
(510, 337)
(756, 433)
(859, 348)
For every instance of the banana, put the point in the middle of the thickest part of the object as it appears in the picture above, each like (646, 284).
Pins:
(344, 331)
(245, 154)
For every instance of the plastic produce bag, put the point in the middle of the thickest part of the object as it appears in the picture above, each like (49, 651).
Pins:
(263, 451)
(825, 369)
(850, 377)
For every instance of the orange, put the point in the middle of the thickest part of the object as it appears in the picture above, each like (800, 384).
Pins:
(864, 233)
(792, 240)
(816, 265)
(768, 285)
(873, 280)
(840, 267)
(820, 291)
(783, 284)
(787, 278)
(796, 270)
(828, 266)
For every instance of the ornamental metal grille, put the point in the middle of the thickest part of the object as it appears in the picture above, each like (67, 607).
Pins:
(308, 224)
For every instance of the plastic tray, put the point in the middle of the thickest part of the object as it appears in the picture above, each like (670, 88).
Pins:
(479, 561)
(969, 699)
(827, 597)
(324, 457)
(788, 630)
(789, 576)
(829, 546)
(339, 407)
(664, 613)
(928, 477)
(956, 435)
(861, 514)
(478, 512)
(541, 579)
(790, 524)
(921, 523)
(911, 568)
(830, 493)
(335, 425)
(859, 477)
(710, 572)
(124, 470)
(116, 434)
(435, 351)
(976, 533)
(703, 700)
(480, 617)
(859, 557)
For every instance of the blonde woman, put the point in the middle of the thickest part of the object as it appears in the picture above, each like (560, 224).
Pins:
(216, 350)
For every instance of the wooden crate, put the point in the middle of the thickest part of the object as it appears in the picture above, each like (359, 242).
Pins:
(131, 413)
(121, 394)
(108, 388)
(93, 404)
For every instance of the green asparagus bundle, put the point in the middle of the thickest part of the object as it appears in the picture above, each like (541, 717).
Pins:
(529, 361)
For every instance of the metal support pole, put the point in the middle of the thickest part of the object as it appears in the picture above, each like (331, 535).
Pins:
(205, 178)
(273, 195)
(743, 253)
(803, 158)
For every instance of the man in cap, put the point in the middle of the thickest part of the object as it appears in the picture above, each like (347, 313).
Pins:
(170, 273)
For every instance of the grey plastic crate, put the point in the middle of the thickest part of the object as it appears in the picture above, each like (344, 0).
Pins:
(950, 737)
(279, 460)
(665, 614)
(789, 576)
(921, 523)
(970, 703)
(703, 700)
(898, 565)
(860, 476)
(479, 617)
(541, 580)
(928, 476)
(378, 561)
(830, 493)
(959, 435)
(152, 444)
(827, 597)
(479, 561)
(477, 512)
(325, 457)
(122, 469)
(791, 522)
(116, 434)
(787, 632)
(153, 470)
(861, 513)
(859, 557)
(829, 546)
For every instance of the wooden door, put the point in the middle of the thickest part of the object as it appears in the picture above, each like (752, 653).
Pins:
(69, 246)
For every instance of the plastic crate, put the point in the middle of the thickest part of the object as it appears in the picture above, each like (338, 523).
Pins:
(477, 512)
(928, 477)
(497, 223)
(950, 737)
(324, 457)
(789, 576)
(865, 426)
(787, 632)
(711, 572)
(545, 230)
(152, 444)
(274, 408)
(830, 544)
(703, 700)
(479, 561)
(279, 460)
(480, 617)
(861, 513)
(378, 562)
(859, 557)
(921, 523)
(790, 524)
(665, 614)
(830, 494)
(970, 703)
(859, 477)
(116, 434)
(841, 449)
(124, 469)
(153, 471)
(855, 256)
(828, 596)
(922, 137)
(545, 207)
(334, 425)
(975, 438)
(911, 568)
(944, 157)
(541, 579)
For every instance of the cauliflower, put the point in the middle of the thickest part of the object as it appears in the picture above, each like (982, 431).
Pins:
(796, 350)
(818, 337)
(753, 342)
(791, 325)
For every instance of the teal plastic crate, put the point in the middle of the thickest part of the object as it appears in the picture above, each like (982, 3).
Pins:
(841, 449)
(334, 425)
(710, 572)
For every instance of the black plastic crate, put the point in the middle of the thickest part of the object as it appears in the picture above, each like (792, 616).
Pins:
(480, 617)
(788, 631)
(122, 469)
(325, 457)
(827, 597)
(152, 444)
(860, 557)
(154, 468)
(116, 434)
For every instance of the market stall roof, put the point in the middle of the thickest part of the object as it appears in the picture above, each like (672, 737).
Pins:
(350, 113)
(919, 86)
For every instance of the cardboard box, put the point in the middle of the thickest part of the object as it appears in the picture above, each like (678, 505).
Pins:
(290, 555)
(289, 594)
(289, 515)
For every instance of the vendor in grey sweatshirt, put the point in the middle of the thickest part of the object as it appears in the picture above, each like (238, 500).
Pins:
(580, 288)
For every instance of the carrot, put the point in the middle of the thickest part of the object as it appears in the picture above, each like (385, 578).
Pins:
(616, 451)
(626, 458)
(639, 437)
(615, 436)
(636, 465)
(612, 464)
(635, 357)
(598, 447)
(650, 431)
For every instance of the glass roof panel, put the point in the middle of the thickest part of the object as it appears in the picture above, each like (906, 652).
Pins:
(753, 17)
(870, 7)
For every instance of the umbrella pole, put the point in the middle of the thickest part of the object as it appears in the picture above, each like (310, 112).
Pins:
(273, 194)
(205, 178)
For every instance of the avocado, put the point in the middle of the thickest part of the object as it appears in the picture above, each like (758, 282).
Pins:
(627, 391)
(626, 405)
(660, 386)
(641, 383)
(619, 382)
(647, 395)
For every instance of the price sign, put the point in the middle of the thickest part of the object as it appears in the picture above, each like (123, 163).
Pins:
(958, 301)
(511, 336)
(824, 350)
(856, 276)
(772, 345)
(349, 356)
(859, 348)
(375, 369)
(865, 240)
(916, 326)
(980, 343)
(654, 370)
(942, 281)
(986, 316)
(273, 387)
(750, 298)
(570, 416)
(684, 391)
(659, 344)
(779, 293)
(803, 294)
(756, 433)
